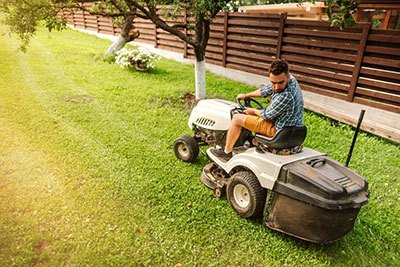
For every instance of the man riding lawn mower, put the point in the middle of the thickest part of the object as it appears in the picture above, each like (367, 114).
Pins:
(286, 109)
(297, 190)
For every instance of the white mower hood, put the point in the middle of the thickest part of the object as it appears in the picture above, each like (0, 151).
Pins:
(212, 114)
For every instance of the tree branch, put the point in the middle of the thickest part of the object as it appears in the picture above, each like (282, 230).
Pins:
(151, 13)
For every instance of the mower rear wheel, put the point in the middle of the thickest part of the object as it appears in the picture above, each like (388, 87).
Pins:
(245, 195)
(186, 148)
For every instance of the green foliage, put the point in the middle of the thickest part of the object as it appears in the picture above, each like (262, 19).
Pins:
(88, 176)
(344, 16)
(23, 17)
(107, 58)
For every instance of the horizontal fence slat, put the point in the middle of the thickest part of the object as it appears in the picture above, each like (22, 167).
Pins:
(252, 16)
(323, 33)
(248, 69)
(214, 49)
(259, 57)
(253, 47)
(253, 31)
(326, 63)
(384, 37)
(320, 82)
(247, 62)
(320, 43)
(258, 23)
(381, 61)
(383, 50)
(254, 40)
(377, 104)
(322, 91)
(391, 75)
(323, 24)
(320, 73)
(361, 91)
(320, 53)
(379, 84)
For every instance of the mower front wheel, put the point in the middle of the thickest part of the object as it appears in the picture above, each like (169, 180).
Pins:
(186, 148)
(245, 195)
(219, 192)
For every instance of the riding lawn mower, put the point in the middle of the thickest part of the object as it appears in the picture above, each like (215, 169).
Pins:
(296, 190)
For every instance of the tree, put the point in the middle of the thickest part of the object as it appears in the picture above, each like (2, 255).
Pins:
(203, 13)
(22, 16)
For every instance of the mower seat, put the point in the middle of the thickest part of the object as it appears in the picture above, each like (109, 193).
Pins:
(285, 138)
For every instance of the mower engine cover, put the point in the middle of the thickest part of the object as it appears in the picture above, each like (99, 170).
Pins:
(212, 114)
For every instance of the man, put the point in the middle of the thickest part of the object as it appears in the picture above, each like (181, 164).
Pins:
(286, 108)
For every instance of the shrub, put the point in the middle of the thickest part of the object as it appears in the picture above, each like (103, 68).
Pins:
(138, 58)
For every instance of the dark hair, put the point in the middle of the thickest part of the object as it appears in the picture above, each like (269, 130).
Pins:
(279, 66)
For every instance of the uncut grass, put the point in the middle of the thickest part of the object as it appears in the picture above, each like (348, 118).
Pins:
(88, 174)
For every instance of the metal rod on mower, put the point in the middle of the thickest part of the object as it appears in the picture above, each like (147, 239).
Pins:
(360, 118)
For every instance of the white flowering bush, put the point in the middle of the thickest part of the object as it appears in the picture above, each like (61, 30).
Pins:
(138, 58)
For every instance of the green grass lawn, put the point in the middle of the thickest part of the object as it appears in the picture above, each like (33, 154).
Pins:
(88, 176)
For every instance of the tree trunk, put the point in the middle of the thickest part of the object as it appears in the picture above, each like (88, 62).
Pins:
(117, 45)
(125, 37)
(200, 79)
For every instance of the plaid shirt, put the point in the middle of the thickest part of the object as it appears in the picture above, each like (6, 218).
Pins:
(286, 107)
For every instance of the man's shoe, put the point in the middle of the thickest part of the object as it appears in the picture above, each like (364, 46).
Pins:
(221, 154)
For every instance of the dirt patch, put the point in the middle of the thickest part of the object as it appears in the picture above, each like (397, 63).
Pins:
(42, 251)
(79, 99)
(187, 101)
(43, 247)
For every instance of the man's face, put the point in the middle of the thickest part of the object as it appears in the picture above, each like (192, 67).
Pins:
(279, 81)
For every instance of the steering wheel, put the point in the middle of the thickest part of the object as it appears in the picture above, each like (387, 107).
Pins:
(247, 103)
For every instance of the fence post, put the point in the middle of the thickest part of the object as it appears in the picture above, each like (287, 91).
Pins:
(84, 19)
(225, 39)
(155, 36)
(97, 23)
(112, 27)
(73, 19)
(185, 45)
(358, 62)
(282, 22)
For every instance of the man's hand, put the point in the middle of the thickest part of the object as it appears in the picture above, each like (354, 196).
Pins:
(241, 96)
(253, 111)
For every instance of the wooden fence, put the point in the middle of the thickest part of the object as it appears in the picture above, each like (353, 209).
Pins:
(357, 64)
